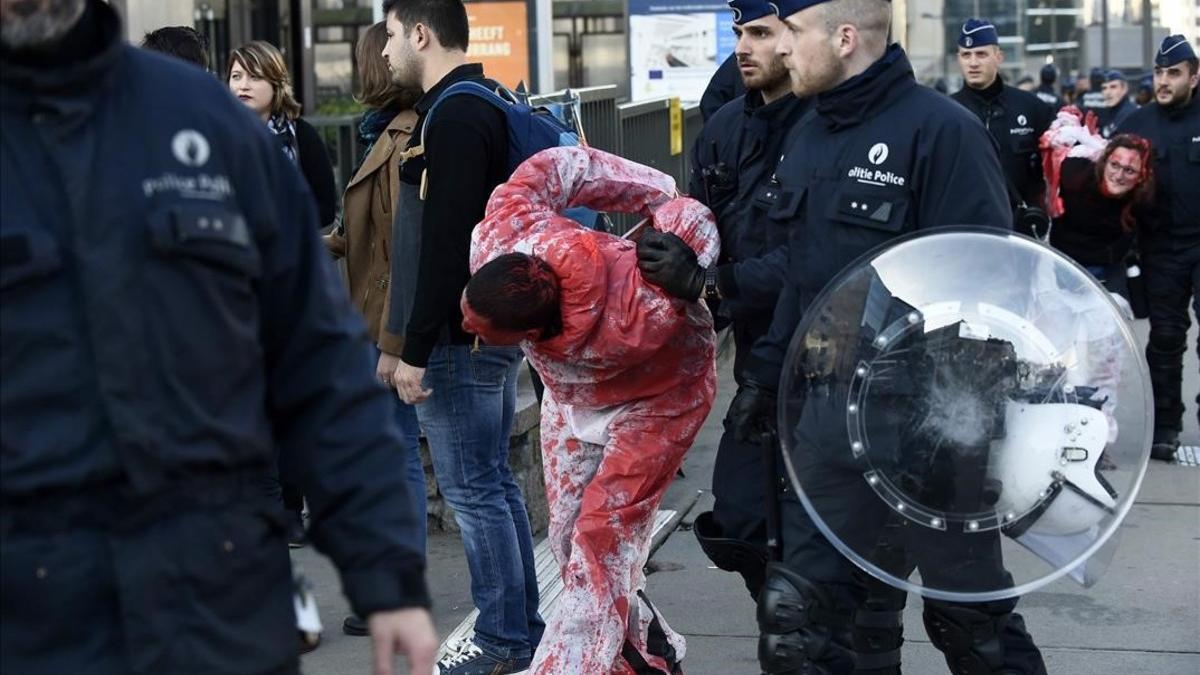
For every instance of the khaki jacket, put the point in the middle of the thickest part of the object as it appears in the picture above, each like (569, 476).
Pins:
(367, 210)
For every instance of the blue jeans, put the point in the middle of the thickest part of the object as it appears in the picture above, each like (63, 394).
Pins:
(467, 420)
(410, 431)
(410, 436)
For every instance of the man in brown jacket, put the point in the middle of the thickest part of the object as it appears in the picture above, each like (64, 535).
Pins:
(364, 238)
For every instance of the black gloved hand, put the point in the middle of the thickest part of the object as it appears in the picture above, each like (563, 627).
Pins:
(753, 413)
(669, 263)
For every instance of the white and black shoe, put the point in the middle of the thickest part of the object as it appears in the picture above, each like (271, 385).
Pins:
(466, 658)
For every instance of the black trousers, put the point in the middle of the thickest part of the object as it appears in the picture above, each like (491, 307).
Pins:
(738, 486)
(199, 588)
(1172, 283)
(847, 588)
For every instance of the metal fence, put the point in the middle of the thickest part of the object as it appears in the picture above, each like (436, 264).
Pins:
(638, 131)
(341, 142)
(599, 115)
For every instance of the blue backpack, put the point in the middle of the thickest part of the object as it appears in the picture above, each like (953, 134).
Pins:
(530, 130)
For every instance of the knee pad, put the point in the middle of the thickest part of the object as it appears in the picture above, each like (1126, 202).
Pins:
(878, 637)
(801, 631)
(1166, 341)
(731, 555)
(968, 637)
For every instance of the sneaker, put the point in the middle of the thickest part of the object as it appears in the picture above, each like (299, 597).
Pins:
(454, 646)
(469, 659)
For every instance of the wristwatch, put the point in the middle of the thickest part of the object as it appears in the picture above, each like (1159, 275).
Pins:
(711, 290)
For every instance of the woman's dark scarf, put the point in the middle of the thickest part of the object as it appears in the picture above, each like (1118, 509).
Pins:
(371, 127)
(284, 131)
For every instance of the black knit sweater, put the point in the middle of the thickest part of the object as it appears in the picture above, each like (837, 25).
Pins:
(1089, 231)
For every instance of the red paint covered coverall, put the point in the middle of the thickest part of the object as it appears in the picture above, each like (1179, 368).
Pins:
(629, 382)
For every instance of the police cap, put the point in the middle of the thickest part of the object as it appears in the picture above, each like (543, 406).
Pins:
(1174, 48)
(745, 11)
(1114, 76)
(977, 33)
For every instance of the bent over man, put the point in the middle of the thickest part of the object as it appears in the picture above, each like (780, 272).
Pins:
(630, 377)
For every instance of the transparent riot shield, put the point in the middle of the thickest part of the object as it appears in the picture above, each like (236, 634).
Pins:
(966, 414)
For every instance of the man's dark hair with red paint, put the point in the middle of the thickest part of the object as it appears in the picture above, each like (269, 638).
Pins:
(513, 298)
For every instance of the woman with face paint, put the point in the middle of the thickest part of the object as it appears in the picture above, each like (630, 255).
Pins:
(1105, 201)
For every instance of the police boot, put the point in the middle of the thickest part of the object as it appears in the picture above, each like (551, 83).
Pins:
(731, 555)
(802, 630)
(977, 641)
(1166, 444)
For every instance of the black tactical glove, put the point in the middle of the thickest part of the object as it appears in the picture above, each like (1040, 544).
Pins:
(669, 263)
(753, 413)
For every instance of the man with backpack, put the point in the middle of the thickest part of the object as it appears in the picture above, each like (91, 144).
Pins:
(465, 394)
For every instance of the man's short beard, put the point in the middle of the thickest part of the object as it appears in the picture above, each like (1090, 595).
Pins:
(37, 23)
(1178, 99)
(771, 78)
(826, 76)
(409, 74)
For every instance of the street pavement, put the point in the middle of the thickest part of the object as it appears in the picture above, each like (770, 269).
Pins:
(1141, 618)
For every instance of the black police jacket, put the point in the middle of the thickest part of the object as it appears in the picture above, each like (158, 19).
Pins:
(883, 157)
(167, 310)
(1174, 134)
(732, 172)
(1112, 118)
(726, 84)
(1016, 119)
(1047, 95)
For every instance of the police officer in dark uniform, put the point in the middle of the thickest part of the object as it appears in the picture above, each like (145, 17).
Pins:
(1117, 105)
(169, 319)
(726, 84)
(733, 163)
(1170, 246)
(882, 157)
(1045, 91)
(1017, 119)
(1093, 99)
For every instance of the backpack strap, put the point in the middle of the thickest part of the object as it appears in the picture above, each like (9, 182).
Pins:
(468, 87)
